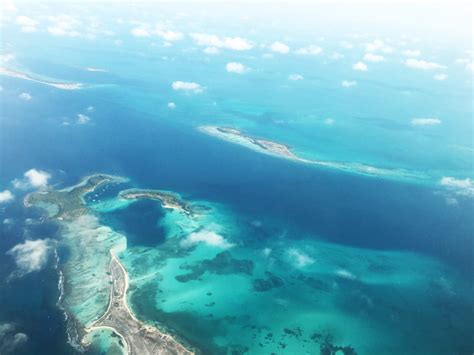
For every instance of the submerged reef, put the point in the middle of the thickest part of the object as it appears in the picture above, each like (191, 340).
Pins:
(223, 263)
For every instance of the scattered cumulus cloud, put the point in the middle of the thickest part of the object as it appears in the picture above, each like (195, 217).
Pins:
(411, 53)
(235, 67)
(25, 96)
(378, 46)
(64, 25)
(6, 57)
(440, 77)
(468, 63)
(82, 119)
(187, 86)
(360, 66)
(26, 23)
(30, 256)
(140, 32)
(169, 35)
(310, 50)
(295, 77)
(299, 258)
(10, 339)
(329, 121)
(348, 83)
(422, 64)
(208, 237)
(33, 178)
(375, 58)
(462, 187)
(171, 105)
(6, 196)
(231, 43)
(279, 47)
(211, 50)
(425, 121)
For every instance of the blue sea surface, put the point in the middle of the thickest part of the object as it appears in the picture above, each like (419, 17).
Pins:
(132, 133)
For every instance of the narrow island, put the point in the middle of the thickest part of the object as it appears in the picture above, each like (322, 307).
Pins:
(139, 338)
(284, 151)
(167, 199)
(93, 281)
(20, 75)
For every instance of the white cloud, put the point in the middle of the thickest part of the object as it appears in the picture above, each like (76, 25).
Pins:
(348, 83)
(375, 58)
(467, 62)
(25, 96)
(232, 43)
(140, 32)
(205, 236)
(82, 119)
(64, 25)
(422, 64)
(26, 23)
(32, 179)
(329, 121)
(187, 86)
(295, 77)
(360, 66)
(440, 77)
(425, 121)
(299, 258)
(411, 53)
(462, 187)
(10, 339)
(6, 57)
(279, 47)
(6, 196)
(8, 5)
(90, 109)
(234, 67)
(170, 36)
(346, 45)
(378, 45)
(310, 50)
(171, 105)
(30, 256)
(211, 50)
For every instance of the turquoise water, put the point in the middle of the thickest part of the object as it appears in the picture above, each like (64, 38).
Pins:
(298, 258)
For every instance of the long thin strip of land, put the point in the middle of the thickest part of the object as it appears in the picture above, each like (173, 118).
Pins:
(139, 338)
(20, 75)
(281, 150)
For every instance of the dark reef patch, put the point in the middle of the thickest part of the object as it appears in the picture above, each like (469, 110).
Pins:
(221, 264)
(271, 281)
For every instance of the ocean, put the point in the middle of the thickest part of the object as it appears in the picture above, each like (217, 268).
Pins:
(315, 255)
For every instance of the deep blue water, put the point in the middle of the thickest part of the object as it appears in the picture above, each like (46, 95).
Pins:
(133, 134)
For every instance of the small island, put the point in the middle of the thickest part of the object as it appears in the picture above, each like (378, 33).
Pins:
(20, 75)
(261, 145)
(167, 199)
(284, 151)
